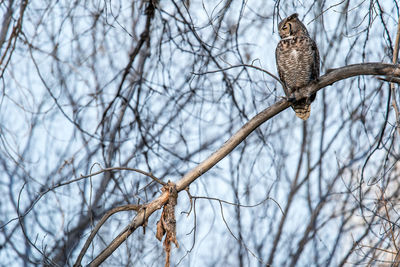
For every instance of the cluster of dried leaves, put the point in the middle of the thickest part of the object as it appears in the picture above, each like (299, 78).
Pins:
(167, 223)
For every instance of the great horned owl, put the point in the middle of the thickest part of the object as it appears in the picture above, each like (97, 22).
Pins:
(297, 59)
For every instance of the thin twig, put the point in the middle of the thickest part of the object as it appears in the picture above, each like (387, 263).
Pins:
(389, 79)
(45, 191)
(98, 226)
(238, 66)
(392, 235)
(240, 205)
(21, 224)
(148, 174)
(396, 261)
(392, 85)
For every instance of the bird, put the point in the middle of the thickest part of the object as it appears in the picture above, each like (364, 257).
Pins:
(298, 62)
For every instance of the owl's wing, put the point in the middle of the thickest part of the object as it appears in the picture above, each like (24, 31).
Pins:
(279, 67)
(316, 65)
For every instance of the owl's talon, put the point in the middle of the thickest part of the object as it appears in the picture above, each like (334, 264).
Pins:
(292, 98)
(289, 99)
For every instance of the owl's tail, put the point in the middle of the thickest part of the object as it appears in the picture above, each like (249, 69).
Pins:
(302, 109)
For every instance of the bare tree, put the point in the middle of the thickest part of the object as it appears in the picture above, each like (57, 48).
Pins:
(167, 116)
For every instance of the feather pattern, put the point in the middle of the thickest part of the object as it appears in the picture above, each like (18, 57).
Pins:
(298, 62)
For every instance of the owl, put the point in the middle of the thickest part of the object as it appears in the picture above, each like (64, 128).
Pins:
(297, 59)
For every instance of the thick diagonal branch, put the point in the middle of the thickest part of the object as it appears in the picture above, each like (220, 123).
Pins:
(329, 78)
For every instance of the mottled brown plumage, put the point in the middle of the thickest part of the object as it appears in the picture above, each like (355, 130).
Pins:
(297, 59)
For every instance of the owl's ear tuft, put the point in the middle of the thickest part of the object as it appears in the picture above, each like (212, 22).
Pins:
(293, 16)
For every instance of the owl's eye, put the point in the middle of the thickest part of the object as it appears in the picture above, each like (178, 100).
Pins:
(284, 27)
(290, 27)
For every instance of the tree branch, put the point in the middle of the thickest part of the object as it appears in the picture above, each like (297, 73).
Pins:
(128, 207)
(329, 78)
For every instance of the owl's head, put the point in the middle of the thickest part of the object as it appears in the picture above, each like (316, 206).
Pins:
(291, 26)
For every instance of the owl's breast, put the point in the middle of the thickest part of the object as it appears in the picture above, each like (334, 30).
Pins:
(294, 54)
(295, 59)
